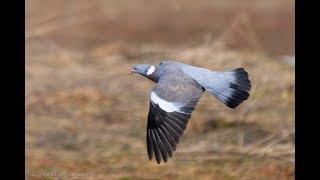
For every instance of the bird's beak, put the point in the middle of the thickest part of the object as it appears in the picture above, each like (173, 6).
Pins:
(132, 71)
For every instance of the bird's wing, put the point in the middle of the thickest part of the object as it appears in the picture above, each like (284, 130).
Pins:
(172, 101)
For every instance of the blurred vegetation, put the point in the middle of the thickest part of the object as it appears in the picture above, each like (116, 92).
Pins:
(85, 113)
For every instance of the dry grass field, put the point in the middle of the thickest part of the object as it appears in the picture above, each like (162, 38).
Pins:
(86, 115)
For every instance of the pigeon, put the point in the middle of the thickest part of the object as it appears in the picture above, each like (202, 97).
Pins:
(178, 89)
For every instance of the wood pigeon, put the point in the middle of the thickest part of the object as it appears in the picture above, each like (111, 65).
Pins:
(178, 88)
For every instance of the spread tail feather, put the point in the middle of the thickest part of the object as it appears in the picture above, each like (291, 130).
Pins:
(230, 87)
(237, 88)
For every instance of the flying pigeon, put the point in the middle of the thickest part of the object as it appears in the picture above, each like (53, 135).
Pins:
(177, 91)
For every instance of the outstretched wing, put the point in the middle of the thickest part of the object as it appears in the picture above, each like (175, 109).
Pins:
(172, 101)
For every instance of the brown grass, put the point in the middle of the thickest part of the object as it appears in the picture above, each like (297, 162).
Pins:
(85, 113)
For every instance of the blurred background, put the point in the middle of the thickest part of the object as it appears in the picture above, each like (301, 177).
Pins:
(86, 114)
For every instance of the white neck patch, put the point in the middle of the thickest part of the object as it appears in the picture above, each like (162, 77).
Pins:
(164, 105)
(151, 70)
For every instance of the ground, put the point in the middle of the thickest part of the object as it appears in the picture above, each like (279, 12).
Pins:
(86, 115)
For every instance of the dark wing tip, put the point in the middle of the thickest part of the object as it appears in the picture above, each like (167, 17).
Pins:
(149, 145)
(164, 131)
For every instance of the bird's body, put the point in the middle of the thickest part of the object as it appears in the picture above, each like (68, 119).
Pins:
(174, 97)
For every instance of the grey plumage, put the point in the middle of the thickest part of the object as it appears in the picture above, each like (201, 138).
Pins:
(174, 97)
(230, 87)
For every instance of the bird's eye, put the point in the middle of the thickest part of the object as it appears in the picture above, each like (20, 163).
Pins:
(160, 64)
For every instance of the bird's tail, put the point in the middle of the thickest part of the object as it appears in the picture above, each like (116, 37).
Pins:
(235, 89)
(230, 87)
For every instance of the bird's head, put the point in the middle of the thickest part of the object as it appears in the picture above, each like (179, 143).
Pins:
(143, 69)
